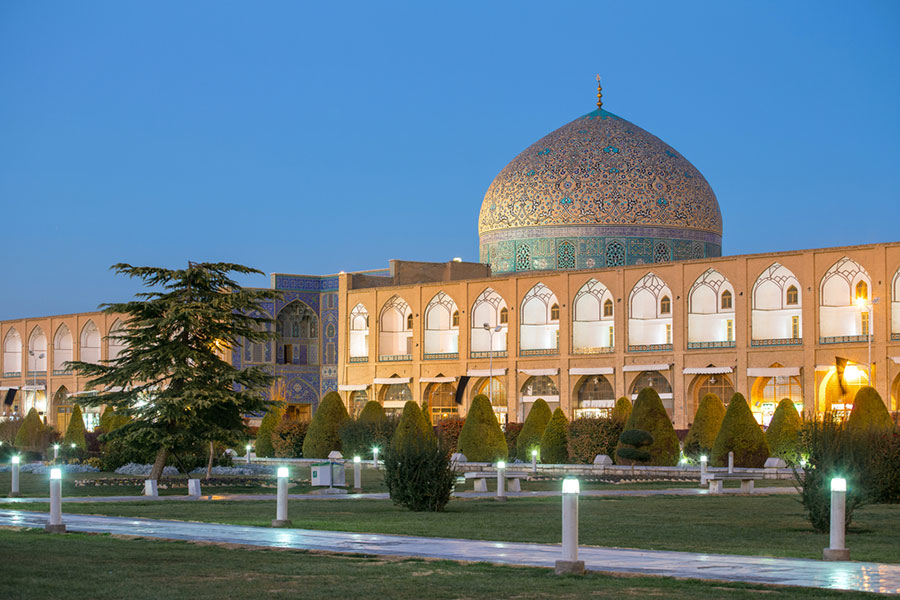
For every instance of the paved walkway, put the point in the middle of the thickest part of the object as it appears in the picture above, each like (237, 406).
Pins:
(858, 576)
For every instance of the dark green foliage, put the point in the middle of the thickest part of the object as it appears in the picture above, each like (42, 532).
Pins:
(741, 434)
(554, 448)
(636, 437)
(373, 429)
(783, 433)
(703, 431)
(481, 439)
(648, 414)
(533, 428)
(33, 435)
(264, 446)
(176, 334)
(883, 466)
(869, 411)
(8, 430)
(373, 413)
(322, 435)
(110, 420)
(589, 437)
(633, 445)
(448, 431)
(412, 423)
(287, 438)
(418, 473)
(75, 430)
(511, 432)
(426, 413)
(622, 410)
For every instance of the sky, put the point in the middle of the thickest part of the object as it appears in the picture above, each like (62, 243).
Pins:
(318, 137)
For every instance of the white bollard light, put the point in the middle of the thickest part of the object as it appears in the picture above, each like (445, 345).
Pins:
(14, 491)
(730, 462)
(534, 461)
(55, 525)
(357, 473)
(151, 488)
(194, 488)
(249, 447)
(501, 481)
(703, 474)
(281, 519)
(837, 549)
(570, 565)
(375, 456)
(55, 452)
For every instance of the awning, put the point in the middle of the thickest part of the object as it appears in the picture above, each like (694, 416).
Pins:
(653, 367)
(539, 372)
(33, 388)
(391, 380)
(662, 396)
(486, 372)
(437, 379)
(394, 404)
(85, 393)
(353, 387)
(774, 372)
(896, 359)
(591, 371)
(707, 370)
(549, 398)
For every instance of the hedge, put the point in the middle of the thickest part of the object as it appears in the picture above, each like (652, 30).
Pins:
(622, 410)
(322, 435)
(412, 425)
(590, 436)
(555, 441)
(869, 411)
(481, 439)
(287, 438)
(741, 434)
(75, 430)
(648, 414)
(705, 428)
(270, 421)
(783, 433)
(532, 430)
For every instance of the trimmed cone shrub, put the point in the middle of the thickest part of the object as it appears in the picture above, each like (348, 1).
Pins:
(75, 430)
(426, 413)
(869, 411)
(705, 428)
(270, 421)
(741, 434)
(622, 410)
(322, 435)
(417, 471)
(554, 448)
(30, 433)
(783, 433)
(511, 432)
(287, 438)
(373, 413)
(648, 414)
(481, 439)
(633, 446)
(589, 437)
(412, 423)
(106, 419)
(532, 430)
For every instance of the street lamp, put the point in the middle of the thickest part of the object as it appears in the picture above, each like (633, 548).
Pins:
(491, 331)
(34, 377)
(869, 307)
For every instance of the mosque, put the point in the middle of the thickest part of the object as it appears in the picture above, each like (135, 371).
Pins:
(600, 274)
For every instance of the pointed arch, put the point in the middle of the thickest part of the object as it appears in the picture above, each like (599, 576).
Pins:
(12, 353)
(297, 330)
(539, 331)
(394, 337)
(441, 336)
(593, 325)
(63, 346)
(489, 309)
(37, 350)
(89, 343)
(115, 343)
(359, 332)
(711, 311)
(895, 310)
(776, 300)
(843, 308)
(650, 315)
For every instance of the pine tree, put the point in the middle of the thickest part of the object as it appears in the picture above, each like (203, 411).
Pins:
(175, 387)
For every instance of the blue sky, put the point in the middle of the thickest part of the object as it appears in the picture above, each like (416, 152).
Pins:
(319, 137)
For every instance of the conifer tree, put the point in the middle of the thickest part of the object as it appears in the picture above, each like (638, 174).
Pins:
(171, 379)
(75, 430)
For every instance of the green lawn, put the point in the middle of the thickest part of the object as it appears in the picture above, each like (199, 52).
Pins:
(753, 525)
(47, 567)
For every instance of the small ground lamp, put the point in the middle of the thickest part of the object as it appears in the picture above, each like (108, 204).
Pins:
(837, 549)
(570, 565)
(501, 481)
(357, 473)
(281, 518)
(14, 490)
(55, 524)
(375, 456)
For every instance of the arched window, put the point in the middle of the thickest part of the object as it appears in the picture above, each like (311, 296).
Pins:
(719, 384)
(12, 352)
(504, 315)
(455, 321)
(359, 332)
(862, 291)
(494, 389)
(608, 308)
(595, 397)
(539, 329)
(776, 312)
(554, 312)
(657, 381)
(844, 293)
(90, 343)
(297, 327)
(665, 306)
(441, 326)
(62, 349)
(649, 315)
(409, 322)
(793, 297)
(441, 398)
(488, 309)
(537, 386)
(358, 401)
(115, 343)
(592, 324)
(37, 351)
(726, 300)
(394, 397)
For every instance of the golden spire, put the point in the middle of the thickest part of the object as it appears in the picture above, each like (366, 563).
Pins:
(599, 93)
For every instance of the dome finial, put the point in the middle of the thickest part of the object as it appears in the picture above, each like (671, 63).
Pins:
(599, 93)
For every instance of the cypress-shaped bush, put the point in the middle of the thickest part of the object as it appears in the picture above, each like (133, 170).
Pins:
(418, 472)
(481, 439)
(30, 433)
(106, 419)
(75, 430)
(322, 436)
(412, 423)
(741, 434)
(532, 430)
(622, 410)
(648, 414)
(869, 411)
(705, 428)
(555, 441)
(511, 433)
(783, 433)
(426, 413)
(373, 413)
(270, 421)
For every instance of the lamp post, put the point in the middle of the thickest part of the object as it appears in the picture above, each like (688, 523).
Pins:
(55, 525)
(570, 565)
(281, 519)
(55, 452)
(501, 481)
(357, 473)
(34, 378)
(491, 331)
(869, 307)
(14, 490)
(837, 549)
(249, 447)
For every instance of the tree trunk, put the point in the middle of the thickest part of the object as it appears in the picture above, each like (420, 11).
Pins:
(159, 464)
(209, 465)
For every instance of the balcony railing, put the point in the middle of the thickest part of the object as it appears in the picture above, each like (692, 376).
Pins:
(649, 347)
(895, 337)
(359, 359)
(488, 354)
(778, 342)
(595, 350)
(441, 355)
(704, 345)
(394, 357)
(62, 371)
(12, 374)
(539, 352)
(843, 339)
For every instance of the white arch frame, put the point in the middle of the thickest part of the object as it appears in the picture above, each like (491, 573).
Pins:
(12, 351)
(37, 346)
(486, 310)
(441, 336)
(771, 317)
(359, 331)
(394, 339)
(538, 331)
(592, 331)
(895, 306)
(649, 328)
(63, 348)
(89, 343)
(710, 325)
(840, 318)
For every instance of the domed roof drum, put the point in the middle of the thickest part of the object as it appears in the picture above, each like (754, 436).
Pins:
(599, 191)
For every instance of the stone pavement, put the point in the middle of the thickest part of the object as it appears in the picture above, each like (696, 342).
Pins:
(858, 576)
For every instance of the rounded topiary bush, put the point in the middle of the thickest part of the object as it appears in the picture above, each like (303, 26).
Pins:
(741, 434)
(783, 433)
(648, 414)
(481, 439)
(705, 428)
(322, 436)
(633, 446)
(869, 411)
(412, 423)
(270, 421)
(373, 413)
(533, 428)
(555, 441)
(622, 410)
(75, 430)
